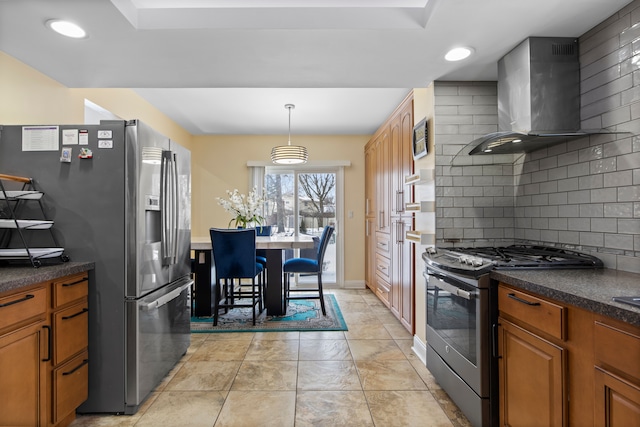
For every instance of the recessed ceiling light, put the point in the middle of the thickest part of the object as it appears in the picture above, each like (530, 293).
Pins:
(66, 28)
(458, 53)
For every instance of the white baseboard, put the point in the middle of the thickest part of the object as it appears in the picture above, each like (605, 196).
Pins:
(419, 349)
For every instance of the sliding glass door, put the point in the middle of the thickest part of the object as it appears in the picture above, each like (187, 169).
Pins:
(304, 202)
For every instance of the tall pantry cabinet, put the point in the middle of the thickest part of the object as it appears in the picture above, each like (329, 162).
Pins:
(389, 270)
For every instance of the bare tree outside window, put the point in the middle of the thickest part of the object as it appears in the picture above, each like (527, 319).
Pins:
(319, 189)
(279, 186)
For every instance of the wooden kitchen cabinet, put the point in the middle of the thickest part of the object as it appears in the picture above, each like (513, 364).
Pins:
(44, 352)
(617, 374)
(563, 365)
(531, 368)
(69, 370)
(383, 181)
(402, 272)
(389, 270)
(401, 133)
(370, 220)
(402, 258)
(23, 358)
(532, 377)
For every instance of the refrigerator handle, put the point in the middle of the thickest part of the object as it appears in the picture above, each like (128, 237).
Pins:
(165, 203)
(176, 210)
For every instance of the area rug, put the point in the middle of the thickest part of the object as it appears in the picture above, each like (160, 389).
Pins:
(301, 315)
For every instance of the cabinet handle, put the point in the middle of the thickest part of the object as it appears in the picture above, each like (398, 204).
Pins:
(400, 200)
(84, 362)
(26, 297)
(49, 343)
(523, 301)
(366, 209)
(74, 283)
(84, 310)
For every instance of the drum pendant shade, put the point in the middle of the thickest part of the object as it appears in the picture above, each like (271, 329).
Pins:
(289, 154)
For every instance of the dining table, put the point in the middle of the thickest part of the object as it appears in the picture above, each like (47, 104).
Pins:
(274, 247)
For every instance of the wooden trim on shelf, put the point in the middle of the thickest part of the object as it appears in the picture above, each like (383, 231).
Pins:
(423, 176)
(421, 237)
(423, 206)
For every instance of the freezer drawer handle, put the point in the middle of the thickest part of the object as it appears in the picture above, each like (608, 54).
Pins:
(84, 310)
(26, 297)
(168, 297)
(74, 283)
(84, 362)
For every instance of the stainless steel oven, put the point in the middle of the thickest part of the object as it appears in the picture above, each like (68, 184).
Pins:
(460, 313)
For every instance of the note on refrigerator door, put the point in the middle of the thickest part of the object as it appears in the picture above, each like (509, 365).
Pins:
(40, 138)
(69, 136)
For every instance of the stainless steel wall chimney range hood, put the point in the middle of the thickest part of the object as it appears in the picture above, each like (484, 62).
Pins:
(538, 98)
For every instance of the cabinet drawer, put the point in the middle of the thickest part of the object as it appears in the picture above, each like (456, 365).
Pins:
(618, 349)
(383, 291)
(70, 288)
(383, 267)
(21, 306)
(70, 331)
(538, 313)
(383, 246)
(70, 385)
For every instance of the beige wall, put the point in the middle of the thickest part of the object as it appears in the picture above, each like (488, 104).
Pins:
(29, 97)
(219, 163)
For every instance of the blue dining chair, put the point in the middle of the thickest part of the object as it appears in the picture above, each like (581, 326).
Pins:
(234, 258)
(308, 266)
(261, 254)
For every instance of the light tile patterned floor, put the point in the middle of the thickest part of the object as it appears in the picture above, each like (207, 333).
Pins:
(367, 376)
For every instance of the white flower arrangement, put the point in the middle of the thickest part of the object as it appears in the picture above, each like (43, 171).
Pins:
(245, 209)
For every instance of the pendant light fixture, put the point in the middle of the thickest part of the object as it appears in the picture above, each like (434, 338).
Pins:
(289, 154)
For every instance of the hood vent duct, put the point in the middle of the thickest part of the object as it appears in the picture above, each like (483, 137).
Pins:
(538, 98)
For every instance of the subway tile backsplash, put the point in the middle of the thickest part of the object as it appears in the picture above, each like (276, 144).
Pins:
(583, 194)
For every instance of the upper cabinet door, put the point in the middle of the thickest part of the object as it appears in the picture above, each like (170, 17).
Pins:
(401, 133)
(383, 182)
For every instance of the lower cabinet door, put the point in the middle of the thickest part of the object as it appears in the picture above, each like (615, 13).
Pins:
(532, 383)
(23, 377)
(617, 401)
(70, 386)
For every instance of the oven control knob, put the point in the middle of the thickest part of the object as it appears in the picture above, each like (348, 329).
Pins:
(463, 259)
(477, 262)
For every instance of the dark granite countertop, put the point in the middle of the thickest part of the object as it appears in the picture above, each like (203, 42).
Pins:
(16, 277)
(592, 290)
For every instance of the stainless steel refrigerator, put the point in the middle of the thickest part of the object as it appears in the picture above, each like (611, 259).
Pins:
(119, 194)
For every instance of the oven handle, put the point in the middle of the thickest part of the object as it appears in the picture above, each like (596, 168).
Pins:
(451, 288)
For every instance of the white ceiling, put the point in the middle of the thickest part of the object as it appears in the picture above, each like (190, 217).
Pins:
(230, 66)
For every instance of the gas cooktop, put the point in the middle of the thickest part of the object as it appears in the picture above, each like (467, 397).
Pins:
(481, 260)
